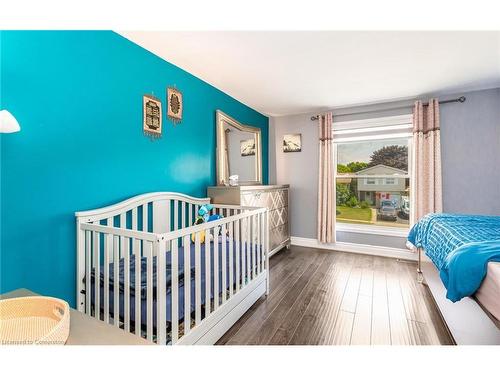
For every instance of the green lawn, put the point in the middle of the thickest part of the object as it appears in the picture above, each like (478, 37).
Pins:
(348, 213)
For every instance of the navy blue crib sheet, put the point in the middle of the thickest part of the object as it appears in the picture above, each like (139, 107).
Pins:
(134, 294)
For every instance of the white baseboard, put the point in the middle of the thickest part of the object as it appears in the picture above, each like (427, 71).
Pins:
(356, 248)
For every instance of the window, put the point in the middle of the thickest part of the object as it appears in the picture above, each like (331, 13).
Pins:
(373, 173)
(390, 181)
(371, 181)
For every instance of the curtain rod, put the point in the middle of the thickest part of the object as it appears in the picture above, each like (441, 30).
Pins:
(457, 100)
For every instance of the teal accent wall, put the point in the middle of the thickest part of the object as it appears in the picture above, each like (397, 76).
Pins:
(78, 98)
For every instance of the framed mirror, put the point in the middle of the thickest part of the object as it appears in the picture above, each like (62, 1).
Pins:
(238, 151)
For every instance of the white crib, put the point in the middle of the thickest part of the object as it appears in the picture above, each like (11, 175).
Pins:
(122, 248)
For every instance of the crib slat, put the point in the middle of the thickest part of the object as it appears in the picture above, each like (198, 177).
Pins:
(116, 280)
(124, 246)
(260, 242)
(190, 214)
(254, 247)
(264, 239)
(257, 239)
(266, 250)
(247, 248)
(161, 293)
(120, 248)
(176, 214)
(134, 218)
(136, 249)
(97, 276)
(237, 240)
(187, 284)
(207, 273)
(88, 266)
(216, 268)
(231, 262)
(242, 251)
(108, 244)
(197, 275)
(149, 288)
(168, 218)
(175, 291)
(183, 215)
(145, 227)
(224, 263)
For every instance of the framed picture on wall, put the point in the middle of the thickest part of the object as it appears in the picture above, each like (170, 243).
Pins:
(174, 104)
(292, 142)
(151, 116)
(247, 147)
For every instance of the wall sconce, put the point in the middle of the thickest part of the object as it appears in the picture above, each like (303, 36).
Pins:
(8, 123)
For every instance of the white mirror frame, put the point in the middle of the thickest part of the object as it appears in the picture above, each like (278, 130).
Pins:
(221, 119)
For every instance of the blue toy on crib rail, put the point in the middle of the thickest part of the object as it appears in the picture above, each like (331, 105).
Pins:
(205, 217)
(204, 212)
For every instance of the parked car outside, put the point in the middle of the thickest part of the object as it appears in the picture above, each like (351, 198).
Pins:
(387, 211)
(404, 213)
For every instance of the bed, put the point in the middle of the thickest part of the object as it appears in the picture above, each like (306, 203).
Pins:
(465, 254)
(488, 294)
(144, 267)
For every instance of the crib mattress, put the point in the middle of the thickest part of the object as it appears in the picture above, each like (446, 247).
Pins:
(489, 292)
(134, 294)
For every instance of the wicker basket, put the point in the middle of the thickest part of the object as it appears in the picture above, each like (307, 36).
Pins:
(34, 320)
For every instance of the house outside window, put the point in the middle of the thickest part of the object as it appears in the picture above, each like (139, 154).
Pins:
(373, 174)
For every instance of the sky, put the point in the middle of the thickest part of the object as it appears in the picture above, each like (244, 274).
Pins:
(361, 151)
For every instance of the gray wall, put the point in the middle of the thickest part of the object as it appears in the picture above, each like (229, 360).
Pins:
(470, 138)
(470, 149)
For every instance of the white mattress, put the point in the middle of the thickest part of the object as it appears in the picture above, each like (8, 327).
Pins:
(489, 292)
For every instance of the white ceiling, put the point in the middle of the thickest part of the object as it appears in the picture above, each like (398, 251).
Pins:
(281, 73)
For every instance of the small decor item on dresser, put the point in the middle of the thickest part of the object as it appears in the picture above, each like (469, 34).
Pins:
(247, 147)
(151, 116)
(292, 142)
(233, 180)
(34, 320)
(174, 104)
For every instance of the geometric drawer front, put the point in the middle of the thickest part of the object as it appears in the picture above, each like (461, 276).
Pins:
(256, 199)
(278, 217)
(279, 198)
(271, 199)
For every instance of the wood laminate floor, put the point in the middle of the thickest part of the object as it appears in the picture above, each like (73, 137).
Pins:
(322, 297)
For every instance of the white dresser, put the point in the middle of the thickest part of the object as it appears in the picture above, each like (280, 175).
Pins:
(274, 197)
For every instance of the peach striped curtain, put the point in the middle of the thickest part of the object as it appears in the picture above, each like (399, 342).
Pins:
(427, 144)
(326, 184)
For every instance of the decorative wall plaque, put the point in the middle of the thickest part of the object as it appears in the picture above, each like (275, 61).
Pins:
(174, 104)
(151, 116)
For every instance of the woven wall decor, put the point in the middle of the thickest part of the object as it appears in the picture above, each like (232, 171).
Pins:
(151, 116)
(174, 104)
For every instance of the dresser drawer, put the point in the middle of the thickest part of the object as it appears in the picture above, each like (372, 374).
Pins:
(271, 199)
(278, 235)
(255, 199)
(278, 217)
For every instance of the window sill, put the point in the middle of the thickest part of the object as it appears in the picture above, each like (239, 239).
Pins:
(372, 229)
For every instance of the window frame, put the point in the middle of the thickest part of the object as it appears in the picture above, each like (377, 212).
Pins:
(392, 127)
